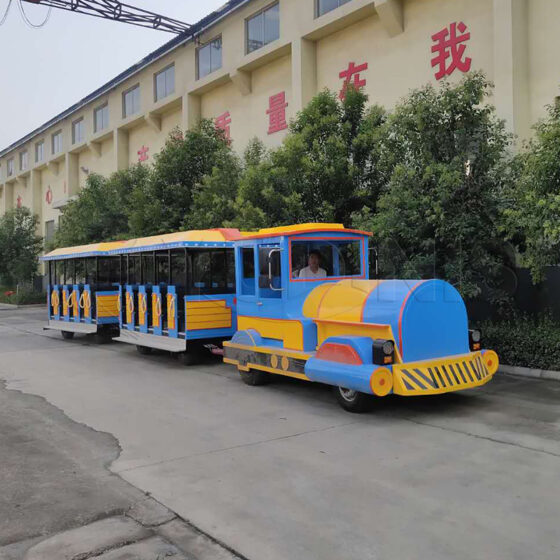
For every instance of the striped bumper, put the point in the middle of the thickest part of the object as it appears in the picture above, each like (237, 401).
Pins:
(432, 377)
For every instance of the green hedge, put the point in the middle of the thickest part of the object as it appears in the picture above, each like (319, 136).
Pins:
(525, 341)
(25, 297)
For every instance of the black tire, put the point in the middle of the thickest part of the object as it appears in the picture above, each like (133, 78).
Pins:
(189, 358)
(254, 378)
(103, 338)
(144, 350)
(353, 401)
(67, 335)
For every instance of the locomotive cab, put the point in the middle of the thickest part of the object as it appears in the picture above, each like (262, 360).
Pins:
(307, 309)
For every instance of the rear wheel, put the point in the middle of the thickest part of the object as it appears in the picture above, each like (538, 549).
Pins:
(144, 350)
(190, 357)
(353, 401)
(254, 378)
(67, 335)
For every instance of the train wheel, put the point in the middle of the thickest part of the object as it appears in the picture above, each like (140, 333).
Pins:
(67, 335)
(144, 350)
(353, 401)
(189, 358)
(254, 378)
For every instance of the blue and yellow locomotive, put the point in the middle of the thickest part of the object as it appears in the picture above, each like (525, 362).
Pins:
(306, 309)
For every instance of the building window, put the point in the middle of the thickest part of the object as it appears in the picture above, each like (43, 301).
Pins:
(10, 167)
(23, 161)
(324, 6)
(164, 82)
(57, 142)
(39, 151)
(78, 133)
(101, 118)
(263, 28)
(209, 58)
(131, 102)
(49, 231)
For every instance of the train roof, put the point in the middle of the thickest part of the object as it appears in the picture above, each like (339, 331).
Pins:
(298, 229)
(220, 237)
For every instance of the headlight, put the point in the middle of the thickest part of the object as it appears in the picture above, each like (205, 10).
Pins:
(474, 339)
(388, 347)
(383, 351)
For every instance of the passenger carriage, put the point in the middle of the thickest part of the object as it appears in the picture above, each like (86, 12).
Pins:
(364, 337)
(171, 292)
(83, 290)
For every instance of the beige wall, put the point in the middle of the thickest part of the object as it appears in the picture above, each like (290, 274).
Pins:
(514, 41)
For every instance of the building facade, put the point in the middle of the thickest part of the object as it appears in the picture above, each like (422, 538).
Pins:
(253, 64)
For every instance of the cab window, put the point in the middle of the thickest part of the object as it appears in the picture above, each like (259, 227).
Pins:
(313, 260)
(248, 271)
(270, 277)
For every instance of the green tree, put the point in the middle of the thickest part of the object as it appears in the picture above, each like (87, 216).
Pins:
(443, 154)
(532, 217)
(161, 204)
(322, 171)
(101, 210)
(19, 246)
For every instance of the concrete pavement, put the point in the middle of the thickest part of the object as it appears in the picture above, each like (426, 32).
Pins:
(280, 472)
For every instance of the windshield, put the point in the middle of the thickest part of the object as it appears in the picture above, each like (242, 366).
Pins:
(316, 259)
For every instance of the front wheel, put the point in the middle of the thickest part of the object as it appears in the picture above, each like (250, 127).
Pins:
(67, 335)
(254, 378)
(353, 401)
(144, 350)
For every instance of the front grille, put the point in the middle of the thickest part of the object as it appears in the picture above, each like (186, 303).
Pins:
(440, 376)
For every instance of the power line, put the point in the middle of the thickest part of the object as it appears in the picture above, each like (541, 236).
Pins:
(5, 16)
(28, 21)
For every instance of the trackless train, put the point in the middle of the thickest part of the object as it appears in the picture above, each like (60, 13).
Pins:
(294, 301)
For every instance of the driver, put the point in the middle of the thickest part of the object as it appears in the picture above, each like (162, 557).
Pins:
(313, 270)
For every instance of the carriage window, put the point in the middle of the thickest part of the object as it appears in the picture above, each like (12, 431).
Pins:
(134, 276)
(59, 272)
(201, 272)
(162, 268)
(248, 278)
(79, 271)
(91, 270)
(230, 271)
(69, 272)
(148, 270)
(108, 270)
(322, 259)
(178, 268)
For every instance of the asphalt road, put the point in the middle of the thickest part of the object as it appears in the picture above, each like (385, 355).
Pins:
(280, 471)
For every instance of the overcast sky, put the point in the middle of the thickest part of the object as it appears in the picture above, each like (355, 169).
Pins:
(44, 71)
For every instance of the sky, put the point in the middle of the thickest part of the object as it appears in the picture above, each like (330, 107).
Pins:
(44, 71)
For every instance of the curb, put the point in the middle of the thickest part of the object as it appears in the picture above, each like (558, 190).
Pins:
(528, 372)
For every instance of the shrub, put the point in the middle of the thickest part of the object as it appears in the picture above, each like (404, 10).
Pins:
(525, 340)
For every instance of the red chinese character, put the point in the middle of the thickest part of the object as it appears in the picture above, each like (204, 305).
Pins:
(222, 122)
(450, 46)
(48, 196)
(277, 113)
(19, 201)
(143, 153)
(352, 71)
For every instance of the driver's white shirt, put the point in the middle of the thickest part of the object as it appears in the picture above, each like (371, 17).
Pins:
(308, 273)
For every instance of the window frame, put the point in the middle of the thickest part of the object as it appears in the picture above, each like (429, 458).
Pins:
(97, 109)
(261, 12)
(24, 154)
(200, 48)
(76, 123)
(163, 71)
(42, 158)
(326, 239)
(124, 94)
(57, 134)
(318, 12)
